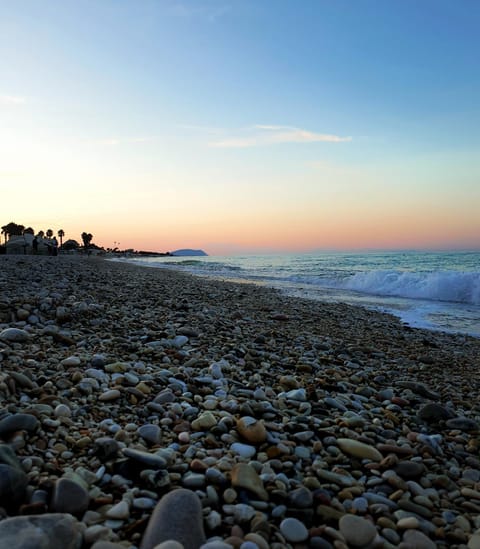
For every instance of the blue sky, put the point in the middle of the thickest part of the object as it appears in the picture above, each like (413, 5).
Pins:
(266, 108)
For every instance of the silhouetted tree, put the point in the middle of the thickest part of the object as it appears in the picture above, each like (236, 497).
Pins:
(49, 233)
(86, 238)
(12, 229)
(29, 230)
(61, 234)
(41, 234)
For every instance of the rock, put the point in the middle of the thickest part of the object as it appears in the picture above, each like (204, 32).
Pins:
(69, 497)
(18, 422)
(41, 531)
(357, 531)
(71, 361)
(417, 540)
(300, 498)
(293, 530)
(243, 450)
(177, 516)
(409, 469)
(111, 394)
(13, 482)
(120, 511)
(14, 335)
(151, 433)
(252, 430)
(245, 476)
(359, 449)
(151, 460)
(463, 424)
(433, 413)
(204, 422)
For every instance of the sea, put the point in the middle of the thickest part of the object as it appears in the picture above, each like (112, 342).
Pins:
(433, 290)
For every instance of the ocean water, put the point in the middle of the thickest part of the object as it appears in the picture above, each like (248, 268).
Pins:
(435, 290)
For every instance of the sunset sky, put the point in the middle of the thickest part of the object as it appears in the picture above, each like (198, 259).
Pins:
(243, 125)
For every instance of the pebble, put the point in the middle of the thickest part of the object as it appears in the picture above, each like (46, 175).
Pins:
(69, 497)
(357, 531)
(418, 540)
(293, 530)
(245, 476)
(45, 531)
(14, 335)
(18, 422)
(252, 430)
(359, 449)
(178, 517)
(338, 411)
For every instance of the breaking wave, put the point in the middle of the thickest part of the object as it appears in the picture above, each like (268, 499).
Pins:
(459, 287)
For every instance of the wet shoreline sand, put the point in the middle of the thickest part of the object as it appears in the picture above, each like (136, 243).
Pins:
(270, 408)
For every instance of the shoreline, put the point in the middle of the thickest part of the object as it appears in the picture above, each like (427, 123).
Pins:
(322, 294)
(128, 370)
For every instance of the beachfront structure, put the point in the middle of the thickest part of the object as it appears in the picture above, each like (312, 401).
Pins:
(22, 244)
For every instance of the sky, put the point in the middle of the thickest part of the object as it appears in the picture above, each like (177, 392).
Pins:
(243, 126)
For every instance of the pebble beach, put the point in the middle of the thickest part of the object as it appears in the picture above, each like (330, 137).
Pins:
(145, 408)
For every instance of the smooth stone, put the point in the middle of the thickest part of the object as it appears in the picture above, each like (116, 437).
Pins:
(433, 412)
(18, 422)
(62, 410)
(300, 498)
(170, 544)
(178, 516)
(9, 457)
(359, 449)
(357, 531)
(336, 478)
(13, 482)
(245, 476)
(109, 395)
(293, 530)
(408, 523)
(119, 511)
(69, 497)
(71, 361)
(204, 422)
(41, 531)
(14, 335)
(151, 460)
(418, 540)
(252, 430)
(150, 433)
(243, 450)
(409, 469)
(463, 424)
(474, 541)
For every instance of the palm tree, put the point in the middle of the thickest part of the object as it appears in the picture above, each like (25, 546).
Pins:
(87, 238)
(41, 234)
(5, 232)
(49, 233)
(61, 234)
(29, 230)
(12, 229)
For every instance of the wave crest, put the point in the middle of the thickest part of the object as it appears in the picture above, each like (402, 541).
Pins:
(459, 287)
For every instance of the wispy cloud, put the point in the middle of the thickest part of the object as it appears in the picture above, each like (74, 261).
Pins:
(114, 141)
(261, 135)
(12, 100)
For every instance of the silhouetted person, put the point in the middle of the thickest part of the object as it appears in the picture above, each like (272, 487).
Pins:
(54, 246)
(35, 245)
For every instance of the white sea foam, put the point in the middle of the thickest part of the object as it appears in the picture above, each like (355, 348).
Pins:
(459, 287)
